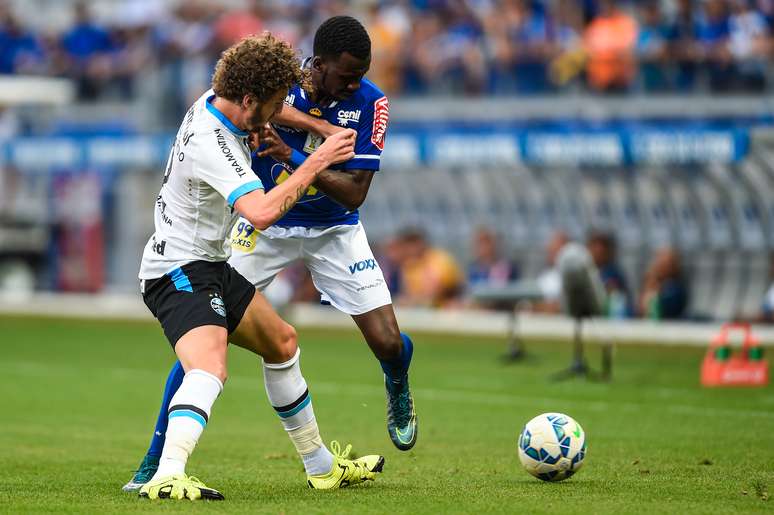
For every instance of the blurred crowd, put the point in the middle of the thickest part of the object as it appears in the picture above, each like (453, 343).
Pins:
(420, 274)
(420, 46)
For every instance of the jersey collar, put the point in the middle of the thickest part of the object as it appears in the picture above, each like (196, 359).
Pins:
(222, 117)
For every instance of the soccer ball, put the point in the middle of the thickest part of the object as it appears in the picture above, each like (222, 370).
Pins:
(552, 446)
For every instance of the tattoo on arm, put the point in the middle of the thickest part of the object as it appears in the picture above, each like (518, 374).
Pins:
(291, 200)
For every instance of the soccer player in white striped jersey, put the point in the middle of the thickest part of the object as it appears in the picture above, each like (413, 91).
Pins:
(201, 302)
(323, 229)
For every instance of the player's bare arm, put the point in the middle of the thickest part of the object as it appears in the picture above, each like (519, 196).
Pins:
(292, 117)
(347, 187)
(263, 209)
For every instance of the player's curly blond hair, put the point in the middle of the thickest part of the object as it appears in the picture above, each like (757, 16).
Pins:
(258, 66)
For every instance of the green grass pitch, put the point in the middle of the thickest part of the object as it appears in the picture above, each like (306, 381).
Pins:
(80, 398)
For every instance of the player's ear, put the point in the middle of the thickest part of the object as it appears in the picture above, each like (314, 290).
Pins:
(248, 101)
(317, 63)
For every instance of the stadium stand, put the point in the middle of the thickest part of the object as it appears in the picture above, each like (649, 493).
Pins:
(682, 168)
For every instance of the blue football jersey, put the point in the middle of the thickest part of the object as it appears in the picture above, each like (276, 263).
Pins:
(366, 111)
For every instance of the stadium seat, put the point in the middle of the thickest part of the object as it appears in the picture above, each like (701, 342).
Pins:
(757, 282)
(728, 292)
(702, 274)
(720, 218)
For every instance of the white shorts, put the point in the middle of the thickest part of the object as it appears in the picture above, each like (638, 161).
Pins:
(339, 259)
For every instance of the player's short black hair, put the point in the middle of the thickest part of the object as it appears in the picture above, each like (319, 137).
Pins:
(341, 34)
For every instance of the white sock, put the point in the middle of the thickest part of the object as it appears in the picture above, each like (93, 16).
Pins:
(290, 398)
(189, 411)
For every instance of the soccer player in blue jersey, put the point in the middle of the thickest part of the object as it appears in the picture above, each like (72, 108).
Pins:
(323, 228)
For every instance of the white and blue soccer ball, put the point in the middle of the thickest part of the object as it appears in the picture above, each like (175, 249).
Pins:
(552, 446)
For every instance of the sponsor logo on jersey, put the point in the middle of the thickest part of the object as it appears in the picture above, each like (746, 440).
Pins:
(280, 173)
(366, 264)
(312, 143)
(243, 237)
(162, 206)
(290, 99)
(348, 116)
(381, 117)
(315, 111)
(376, 284)
(228, 153)
(218, 306)
(158, 247)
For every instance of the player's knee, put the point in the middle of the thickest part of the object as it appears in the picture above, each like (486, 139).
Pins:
(221, 373)
(387, 346)
(290, 342)
(285, 344)
(216, 365)
(204, 348)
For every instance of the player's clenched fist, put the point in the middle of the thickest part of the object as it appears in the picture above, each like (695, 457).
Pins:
(339, 147)
(273, 145)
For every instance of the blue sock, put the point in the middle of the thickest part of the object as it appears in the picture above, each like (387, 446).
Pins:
(396, 370)
(174, 381)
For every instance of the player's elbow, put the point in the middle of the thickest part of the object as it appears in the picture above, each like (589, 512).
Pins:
(260, 220)
(258, 217)
(257, 212)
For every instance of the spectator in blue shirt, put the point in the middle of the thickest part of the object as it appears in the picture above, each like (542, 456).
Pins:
(87, 47)
(749, 44)
(489, 267)
(529, 38)
(602, 247)
(766, 9)
(712, 36)
(519, 36)
(445, 53)
(20, 50)
(86, 39)
(664, 291)
(652, 48)
(683, 49)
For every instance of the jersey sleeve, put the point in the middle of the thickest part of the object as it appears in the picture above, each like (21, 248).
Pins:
(225, 166)
(371, 133)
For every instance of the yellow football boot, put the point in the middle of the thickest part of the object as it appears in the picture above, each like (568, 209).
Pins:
(179, 486)
(346, 472)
